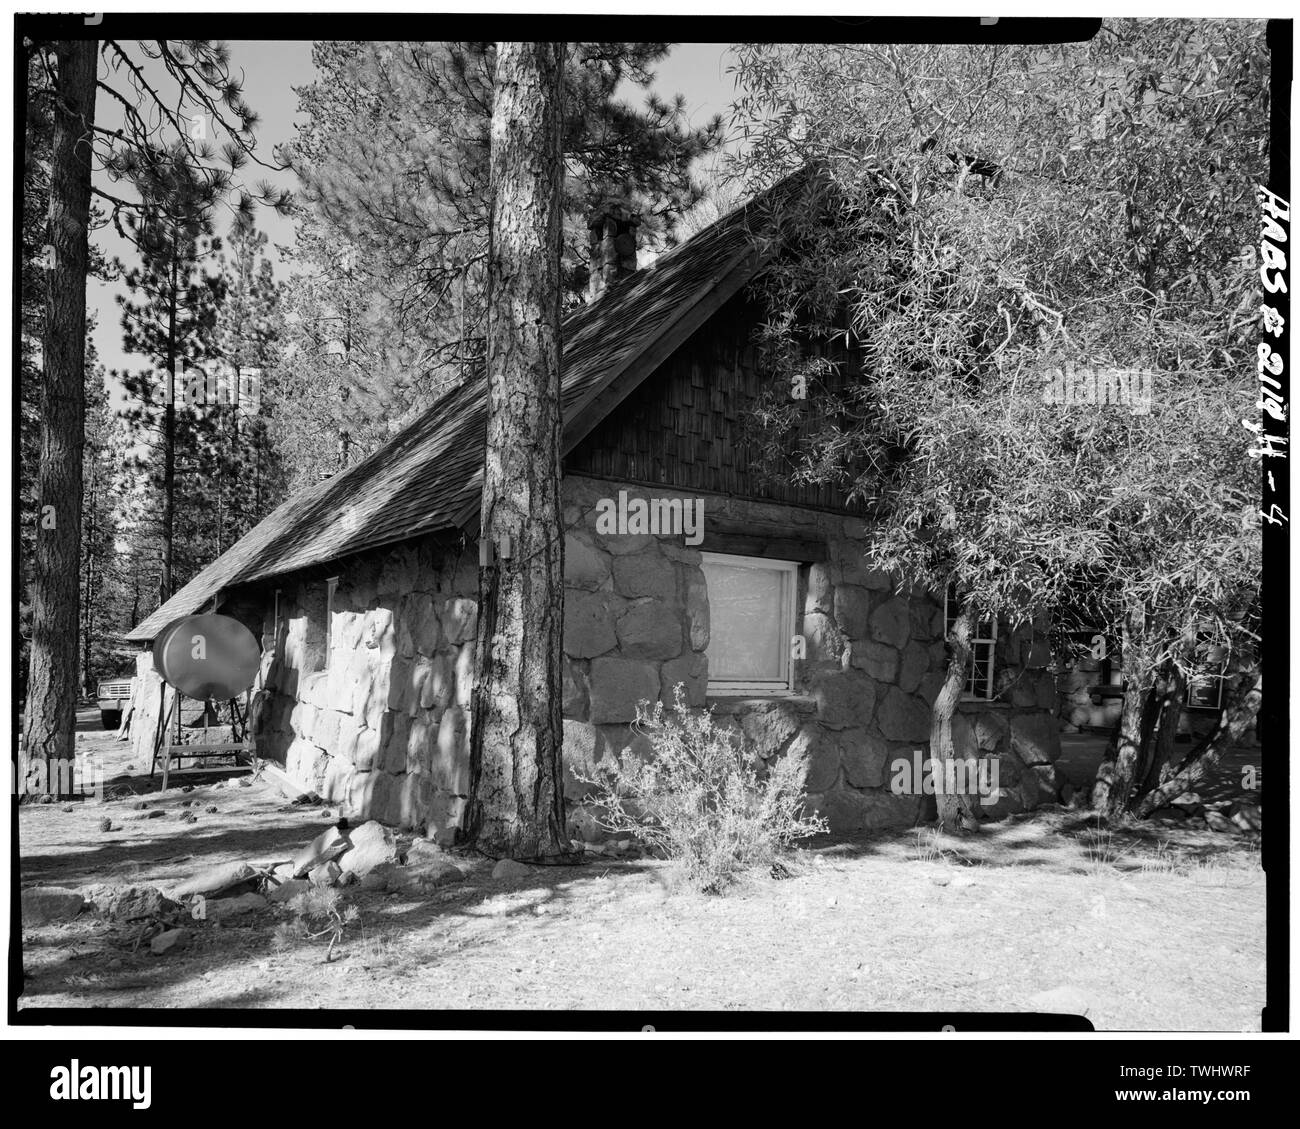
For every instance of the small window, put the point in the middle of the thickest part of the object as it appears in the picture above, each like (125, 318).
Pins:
(983, 641)
(1205, 687)
(751, 622)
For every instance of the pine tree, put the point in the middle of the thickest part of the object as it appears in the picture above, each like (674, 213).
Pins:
(52, 683)
(334, 340)
(517, 802)
(170, 315)
(39, 131)
(190, 89)
(250, 477)
(99, 529)
(393, 159)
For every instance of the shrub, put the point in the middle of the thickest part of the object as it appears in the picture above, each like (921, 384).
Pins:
(318, 912)
(704, 800)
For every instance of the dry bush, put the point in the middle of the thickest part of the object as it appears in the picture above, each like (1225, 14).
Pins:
(704, 801)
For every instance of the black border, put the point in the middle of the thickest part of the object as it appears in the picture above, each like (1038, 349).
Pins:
(1275, 597)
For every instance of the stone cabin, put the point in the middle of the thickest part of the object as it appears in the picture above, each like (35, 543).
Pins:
(363, 588)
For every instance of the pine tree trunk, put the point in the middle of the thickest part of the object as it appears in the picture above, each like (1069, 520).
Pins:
(88, 620)
(51, 714)
(1234, 719)
(169, 441)
(219, 473)
(517, 803)
(952, 805)
(87, 594)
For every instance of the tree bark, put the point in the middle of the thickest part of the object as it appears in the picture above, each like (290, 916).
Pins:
(88, 593)
(1235, 717)
(1115, 777)
(51, 714)
(1166, 704)
(517, 800)
(952, 805)
(169, 438)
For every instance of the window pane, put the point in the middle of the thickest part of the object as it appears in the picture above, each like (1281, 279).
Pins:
(746, 622)
(981, 663)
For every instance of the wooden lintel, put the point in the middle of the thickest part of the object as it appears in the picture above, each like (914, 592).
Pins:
(760, 544)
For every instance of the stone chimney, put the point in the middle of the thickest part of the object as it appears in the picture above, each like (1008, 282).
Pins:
(612, 239)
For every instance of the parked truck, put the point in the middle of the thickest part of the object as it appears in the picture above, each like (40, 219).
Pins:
(113, 694)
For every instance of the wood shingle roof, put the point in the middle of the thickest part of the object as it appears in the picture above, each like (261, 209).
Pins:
(427, 477)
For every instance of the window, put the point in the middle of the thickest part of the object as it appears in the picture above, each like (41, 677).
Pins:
(983, 640)
(751, 622)
(1205, 687)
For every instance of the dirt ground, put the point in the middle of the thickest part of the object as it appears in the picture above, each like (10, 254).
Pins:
(1158, 928)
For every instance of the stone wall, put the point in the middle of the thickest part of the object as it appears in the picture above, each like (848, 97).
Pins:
(152, 702)
(379, 722)
(637, 623)
(1020, 727)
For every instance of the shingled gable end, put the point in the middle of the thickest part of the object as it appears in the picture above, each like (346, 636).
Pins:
(364, 588)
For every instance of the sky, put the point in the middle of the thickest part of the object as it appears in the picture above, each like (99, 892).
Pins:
(271, 70)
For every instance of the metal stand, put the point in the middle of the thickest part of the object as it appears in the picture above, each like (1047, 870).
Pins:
(202, 751)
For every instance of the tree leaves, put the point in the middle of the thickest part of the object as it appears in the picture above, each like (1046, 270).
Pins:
(1086, 251)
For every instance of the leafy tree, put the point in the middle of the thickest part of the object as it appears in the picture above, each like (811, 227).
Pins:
(987, 216)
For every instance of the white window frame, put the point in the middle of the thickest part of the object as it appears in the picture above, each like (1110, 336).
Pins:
(784, 684)
(984, 632)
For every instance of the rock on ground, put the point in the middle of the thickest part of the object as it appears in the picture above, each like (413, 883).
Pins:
(1217, 821)
(385, 876)
(327, 846)
(46, 905)
(216, 879)
(433, 874)
(221, 908)
(1246, 815)
(372, 845)
(327, 874)
(170, 941)
(130, 903)
(429, 868)
(288, 890)
(510, 868)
